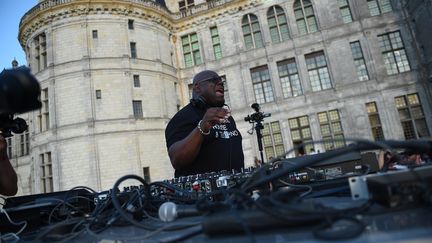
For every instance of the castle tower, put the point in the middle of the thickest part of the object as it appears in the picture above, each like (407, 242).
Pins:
(108, 84)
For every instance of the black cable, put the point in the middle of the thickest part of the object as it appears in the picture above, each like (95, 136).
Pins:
(47, 230)
(361, 144)
(119, 208)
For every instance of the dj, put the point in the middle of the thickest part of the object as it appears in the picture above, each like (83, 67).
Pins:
(203, 137)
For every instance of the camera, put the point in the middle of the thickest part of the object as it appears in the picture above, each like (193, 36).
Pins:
(19, 93)
(257, 116)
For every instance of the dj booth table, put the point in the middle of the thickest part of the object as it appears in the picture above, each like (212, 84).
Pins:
(390, 207)
(411, 224)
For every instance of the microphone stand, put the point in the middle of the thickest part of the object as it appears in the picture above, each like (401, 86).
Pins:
(258, 127)
(257, 118)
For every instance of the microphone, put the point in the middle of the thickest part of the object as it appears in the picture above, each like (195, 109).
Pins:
(170, 211)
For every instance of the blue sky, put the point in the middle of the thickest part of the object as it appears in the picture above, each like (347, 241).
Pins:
(11, 12)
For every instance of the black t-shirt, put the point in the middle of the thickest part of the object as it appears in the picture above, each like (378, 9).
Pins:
(220, 150)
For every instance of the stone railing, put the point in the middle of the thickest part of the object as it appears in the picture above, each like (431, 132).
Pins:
(200, 8)
(146, 3)
(41, 6)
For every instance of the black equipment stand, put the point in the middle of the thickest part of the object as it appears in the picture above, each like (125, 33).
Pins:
(257, 118)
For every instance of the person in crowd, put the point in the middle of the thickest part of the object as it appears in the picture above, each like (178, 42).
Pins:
(8, 176)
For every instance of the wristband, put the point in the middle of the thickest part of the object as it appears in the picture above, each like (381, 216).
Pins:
(201, 131)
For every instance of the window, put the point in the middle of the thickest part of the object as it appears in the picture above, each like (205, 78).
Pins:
(131, 24)
(95, 34)
(262, 84)
(300, 134)
(278, 24)
(226, 93)
(24, 143)
(251, 32)
(9, 147)
(43, 116)
(318, 71)
(289, 78)
(377, 7)
(345, 11)
(374, 121)
(185, 4)
(46, 175)
(191, 51)
(136, 81)
(216, 42)
(146, 174)
(40, 51)
(137, 109)
(305, 17)
(98, 94)
(133, 50)
(190, 88)
(272, 140)
(393, 50)
(359, 61)
(411, 116)
(331, 129)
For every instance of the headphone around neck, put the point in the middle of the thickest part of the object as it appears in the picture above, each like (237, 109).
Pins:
(199, 102)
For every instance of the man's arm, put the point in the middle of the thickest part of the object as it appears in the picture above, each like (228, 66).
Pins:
(184, 152)
(8, 177)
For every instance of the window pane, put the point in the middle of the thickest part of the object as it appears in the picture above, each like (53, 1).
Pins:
(293, 123)
(258, 40)
(408, 129)
(373, 7)
(422, 129)
(400, 102)
(385, 6)
(413, 99)
(312, 24)
(304, 121)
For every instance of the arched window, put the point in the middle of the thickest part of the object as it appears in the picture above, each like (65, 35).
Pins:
(251, 32)
(305, 17)
(278, 24)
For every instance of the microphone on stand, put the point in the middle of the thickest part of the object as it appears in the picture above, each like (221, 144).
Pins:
(170, 211)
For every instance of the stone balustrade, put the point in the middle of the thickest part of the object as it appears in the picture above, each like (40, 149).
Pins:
(146, 3)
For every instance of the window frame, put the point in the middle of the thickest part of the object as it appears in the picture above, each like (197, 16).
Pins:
(345, 6)
(315, 56)
(359, 60)
(412, 119)
(137, 108)
(273, 10)
(391, 62)
(300, 129)
(46, 179)
(216, 43)
(133, 50)
(333, 135)
(188, 49)
(274, 146)
(376, 129)
(261, 84)
(249, 24)
(291, 77)
(379, 7)
(136, 81)
(305, 18)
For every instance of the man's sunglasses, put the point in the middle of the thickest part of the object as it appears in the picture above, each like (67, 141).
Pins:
(214, 80)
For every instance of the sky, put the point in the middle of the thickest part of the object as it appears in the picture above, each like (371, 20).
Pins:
(10, 16)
